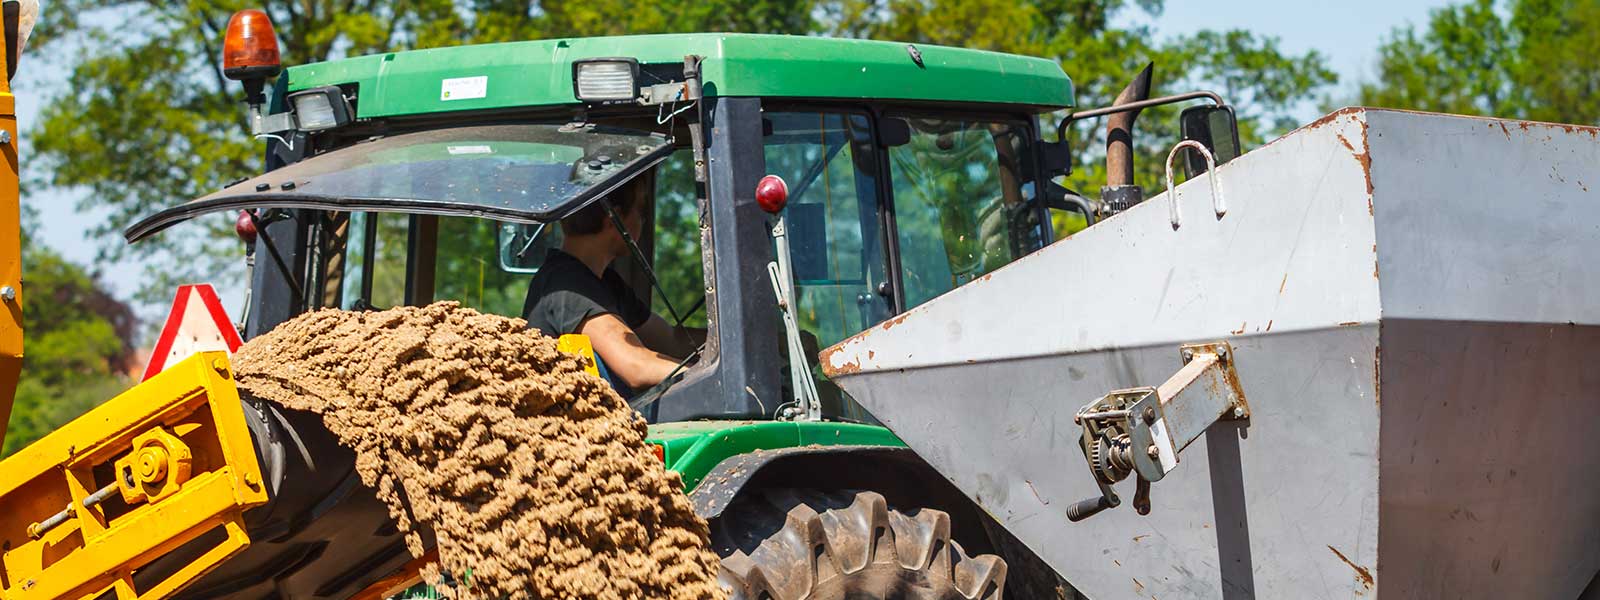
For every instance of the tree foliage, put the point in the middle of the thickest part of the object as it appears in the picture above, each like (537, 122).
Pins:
(78, 345)
(148, 120)
(1524, 59)
(1249, 70)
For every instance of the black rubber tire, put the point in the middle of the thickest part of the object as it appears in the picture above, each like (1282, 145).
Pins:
(789, 544)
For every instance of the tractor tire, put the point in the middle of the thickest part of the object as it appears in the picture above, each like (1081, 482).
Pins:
(787, 544)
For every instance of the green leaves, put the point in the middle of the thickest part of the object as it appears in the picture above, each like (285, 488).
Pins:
(1530, 59)
(78, 341)
(149, 122)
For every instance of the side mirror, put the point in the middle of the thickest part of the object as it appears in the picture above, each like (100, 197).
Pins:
(522, 247)
(893, 132)
(1216, 128)
(1054, 157)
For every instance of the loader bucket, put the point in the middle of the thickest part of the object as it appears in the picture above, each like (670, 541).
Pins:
(1409, 302)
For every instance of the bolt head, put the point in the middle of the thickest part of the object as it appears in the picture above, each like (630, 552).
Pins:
(152, 465)
(8, 293)
(1188, 355)
(1153, 451)
(1149, 415)
(1238, 412)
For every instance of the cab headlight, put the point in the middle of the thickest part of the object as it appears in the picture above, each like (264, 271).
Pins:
(606, 79)
(320, 108)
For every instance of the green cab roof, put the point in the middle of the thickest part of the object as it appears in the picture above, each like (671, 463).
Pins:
(539, 73)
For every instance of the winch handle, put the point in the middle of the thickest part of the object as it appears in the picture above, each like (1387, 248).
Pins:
(1089, 507)
(1217, 204)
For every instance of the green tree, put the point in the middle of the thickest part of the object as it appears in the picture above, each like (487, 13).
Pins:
(148, 120)
(1250, 70)
(77, 347)
(1524, 59)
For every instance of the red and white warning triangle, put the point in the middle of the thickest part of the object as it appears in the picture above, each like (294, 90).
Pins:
(197, 323)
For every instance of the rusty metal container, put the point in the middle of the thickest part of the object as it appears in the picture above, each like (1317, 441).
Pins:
(1413, 305)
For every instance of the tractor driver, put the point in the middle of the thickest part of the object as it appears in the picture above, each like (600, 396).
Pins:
(577, 291)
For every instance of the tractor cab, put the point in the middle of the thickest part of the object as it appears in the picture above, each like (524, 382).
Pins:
(415, 177)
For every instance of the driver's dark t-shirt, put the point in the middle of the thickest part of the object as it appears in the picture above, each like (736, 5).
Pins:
(565, 293)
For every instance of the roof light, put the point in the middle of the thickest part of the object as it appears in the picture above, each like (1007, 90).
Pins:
(606, 80)
(250, 47)
(320, 108)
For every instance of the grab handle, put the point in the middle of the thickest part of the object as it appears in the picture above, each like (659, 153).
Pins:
(1217, 204)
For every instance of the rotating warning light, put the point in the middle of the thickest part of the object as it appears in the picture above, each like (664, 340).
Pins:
(772, 193)
(250, 47)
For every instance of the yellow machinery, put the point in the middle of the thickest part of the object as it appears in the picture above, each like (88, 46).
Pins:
(166, 465)
(10, 226)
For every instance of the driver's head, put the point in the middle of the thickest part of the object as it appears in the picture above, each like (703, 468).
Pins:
(593, 222)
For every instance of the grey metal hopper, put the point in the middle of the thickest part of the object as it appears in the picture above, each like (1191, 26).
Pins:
(1413, 306)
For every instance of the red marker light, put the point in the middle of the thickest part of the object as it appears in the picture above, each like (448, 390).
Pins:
(250, 47)
(245, 227)
(660, 452)
(772, 193)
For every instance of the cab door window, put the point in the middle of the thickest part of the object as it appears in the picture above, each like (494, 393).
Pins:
(832, 217)
(961, 209)
(830, 161)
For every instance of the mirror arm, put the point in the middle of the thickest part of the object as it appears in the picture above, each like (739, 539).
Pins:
(1061, 129)
(1061, 198)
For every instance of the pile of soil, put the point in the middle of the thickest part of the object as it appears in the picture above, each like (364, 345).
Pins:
(533, 476)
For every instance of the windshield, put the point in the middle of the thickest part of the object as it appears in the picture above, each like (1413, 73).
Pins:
(520, 172)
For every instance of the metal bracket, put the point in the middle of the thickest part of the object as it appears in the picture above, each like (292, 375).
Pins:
(165, 463)
(1143, 431)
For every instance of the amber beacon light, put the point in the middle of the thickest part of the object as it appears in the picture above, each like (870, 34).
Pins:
(250, 51)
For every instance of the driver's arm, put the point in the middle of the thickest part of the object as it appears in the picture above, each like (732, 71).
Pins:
(623, 352)
(657, 333)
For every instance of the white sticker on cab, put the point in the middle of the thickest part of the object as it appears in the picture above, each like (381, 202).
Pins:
(464, 88)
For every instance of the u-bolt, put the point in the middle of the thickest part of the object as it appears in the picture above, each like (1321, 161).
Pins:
(1217, 203)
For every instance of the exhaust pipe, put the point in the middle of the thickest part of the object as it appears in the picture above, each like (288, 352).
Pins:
(1120, 193)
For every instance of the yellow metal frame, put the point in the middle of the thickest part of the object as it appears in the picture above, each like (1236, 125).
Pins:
(189, 413)
(10, 253)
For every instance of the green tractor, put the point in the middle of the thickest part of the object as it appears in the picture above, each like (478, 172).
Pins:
(906, 171)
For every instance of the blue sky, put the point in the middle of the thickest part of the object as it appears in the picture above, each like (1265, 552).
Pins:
(1348, 35)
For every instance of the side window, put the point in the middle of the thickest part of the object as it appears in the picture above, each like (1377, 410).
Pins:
(961, 210)
(375, 260)
(835, 244)
(832, 217)
(677, 242)
(466, 268)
